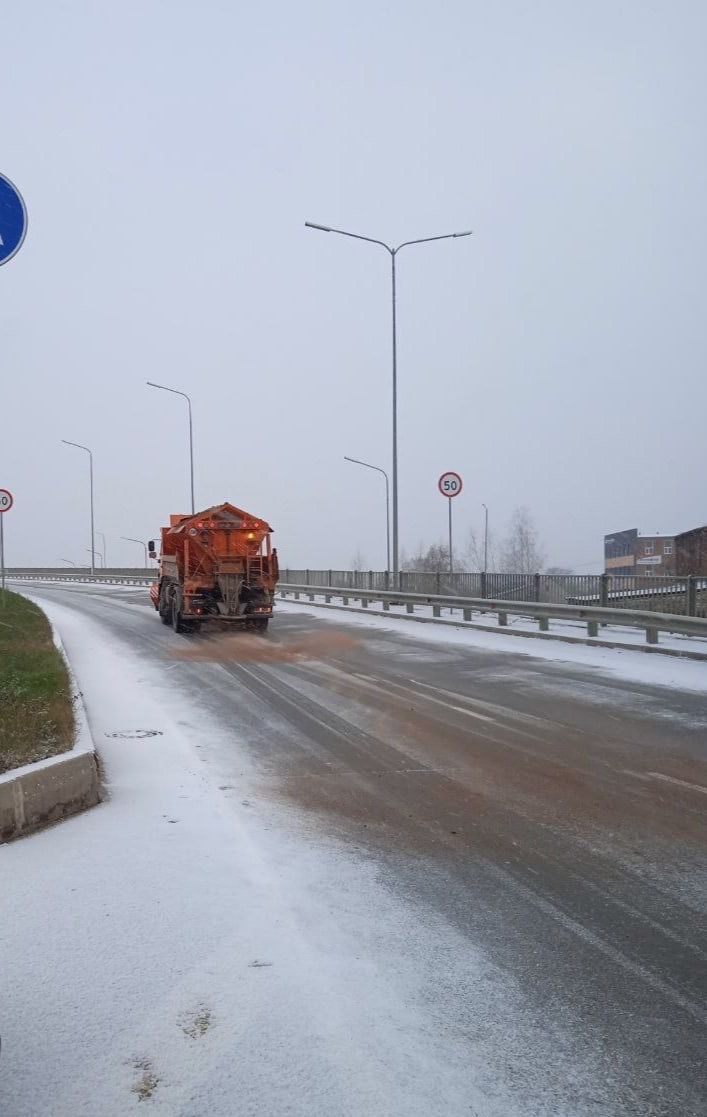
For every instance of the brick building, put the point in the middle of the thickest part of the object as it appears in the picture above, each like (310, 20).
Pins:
(691, 551)
(629, 552)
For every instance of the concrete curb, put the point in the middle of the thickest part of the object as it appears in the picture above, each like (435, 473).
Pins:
(502, 630)
(49, 790)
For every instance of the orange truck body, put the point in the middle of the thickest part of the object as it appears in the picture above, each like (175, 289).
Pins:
(216, 565)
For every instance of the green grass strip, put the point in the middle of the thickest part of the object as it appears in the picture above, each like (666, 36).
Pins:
(36, 713)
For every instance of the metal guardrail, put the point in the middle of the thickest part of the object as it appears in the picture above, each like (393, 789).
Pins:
(129, 576)
(651, 621)
(662, 593)
(591, 615)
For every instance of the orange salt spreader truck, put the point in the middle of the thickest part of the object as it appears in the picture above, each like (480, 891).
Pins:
(216, 565)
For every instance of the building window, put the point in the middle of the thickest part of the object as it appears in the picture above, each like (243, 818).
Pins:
(667, 549)
(648, 548)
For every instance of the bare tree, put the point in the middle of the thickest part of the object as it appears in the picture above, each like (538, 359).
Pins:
(433, 557)
(521, 553)
(472, 555)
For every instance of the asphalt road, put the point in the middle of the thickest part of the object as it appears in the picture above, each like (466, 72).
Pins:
(552, 816)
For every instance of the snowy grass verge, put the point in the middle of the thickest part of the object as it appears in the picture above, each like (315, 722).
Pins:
(36, 718)
(57, 785)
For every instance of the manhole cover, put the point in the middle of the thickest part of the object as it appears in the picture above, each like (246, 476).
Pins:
(135, 734)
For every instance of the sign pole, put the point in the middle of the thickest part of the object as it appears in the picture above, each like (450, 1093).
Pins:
(13, 229)
(6, 502)
(450, 485)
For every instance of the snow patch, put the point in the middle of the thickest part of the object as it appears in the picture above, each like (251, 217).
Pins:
(653, 670)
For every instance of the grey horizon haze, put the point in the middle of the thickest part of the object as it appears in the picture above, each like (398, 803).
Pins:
(169, 156)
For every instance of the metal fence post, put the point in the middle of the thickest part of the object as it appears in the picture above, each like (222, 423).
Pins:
(483, 584)
(330, 578)
(438, 588)
(306, 577)
(370, 579)
(603, 590)
(691, 595)
(536, 587)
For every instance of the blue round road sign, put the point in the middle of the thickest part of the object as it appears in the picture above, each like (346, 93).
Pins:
(13, 220)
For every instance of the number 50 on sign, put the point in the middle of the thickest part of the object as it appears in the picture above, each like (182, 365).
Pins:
(450, 484)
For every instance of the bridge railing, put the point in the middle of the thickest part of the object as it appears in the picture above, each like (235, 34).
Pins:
(657, 593)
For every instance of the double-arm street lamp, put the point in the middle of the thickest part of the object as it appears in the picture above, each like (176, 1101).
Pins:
(393, 251)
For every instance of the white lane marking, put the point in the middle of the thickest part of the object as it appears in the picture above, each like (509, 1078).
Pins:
(680, 783)
(385, 684)
(458, 709)
(464, 698)
(668, 779)
(501, 711)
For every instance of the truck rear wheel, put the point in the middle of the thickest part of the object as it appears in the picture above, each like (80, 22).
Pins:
(177, 623)
(164, 606)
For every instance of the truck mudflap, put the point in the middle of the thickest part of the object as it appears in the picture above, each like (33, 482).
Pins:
(155, 594)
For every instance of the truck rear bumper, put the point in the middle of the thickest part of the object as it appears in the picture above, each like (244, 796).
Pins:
(242, 618)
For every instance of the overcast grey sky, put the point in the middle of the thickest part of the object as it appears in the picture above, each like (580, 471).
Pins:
(169, 154)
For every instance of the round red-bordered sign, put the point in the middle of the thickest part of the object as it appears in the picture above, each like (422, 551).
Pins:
(450, 484)
(6, 500)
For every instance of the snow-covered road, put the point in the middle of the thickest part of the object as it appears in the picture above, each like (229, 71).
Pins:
(344, 871)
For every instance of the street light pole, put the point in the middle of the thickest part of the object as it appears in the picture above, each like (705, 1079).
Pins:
(100, 558)
(378, 469)
(90, 464)
(394, 316)
(71, 561)
(486, 538)
(129, 539)
(184, 395)
(393, 251)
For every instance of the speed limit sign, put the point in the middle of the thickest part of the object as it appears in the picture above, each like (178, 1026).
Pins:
(5, 506)
(450, 484)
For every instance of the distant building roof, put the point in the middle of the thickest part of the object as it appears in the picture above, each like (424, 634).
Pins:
(656, 535)
(691, 530)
